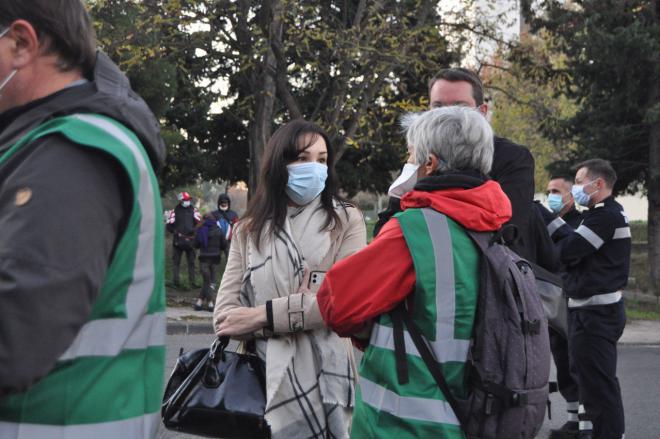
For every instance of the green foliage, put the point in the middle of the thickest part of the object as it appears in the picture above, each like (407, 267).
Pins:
(523, 110)
(350, 66)
(612, 51)
(222, 75)
(612, 63)
(639, 231)
(160, 45)
(637, 310)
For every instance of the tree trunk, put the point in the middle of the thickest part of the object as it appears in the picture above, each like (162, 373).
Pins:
(653, 183)
(266, 89)
(654, 196)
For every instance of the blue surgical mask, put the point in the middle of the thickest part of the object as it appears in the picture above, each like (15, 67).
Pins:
(306, 181)
(555, 203)
(581, 197)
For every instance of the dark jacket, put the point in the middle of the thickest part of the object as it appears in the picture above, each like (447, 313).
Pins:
(210, 241)
(513, 169)
(573, 218)
(56, 246)
(226, 218)
(185, 220)
(542, 248)
(597, 254)
(229, 215)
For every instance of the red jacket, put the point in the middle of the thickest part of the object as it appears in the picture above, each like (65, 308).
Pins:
(374, 280)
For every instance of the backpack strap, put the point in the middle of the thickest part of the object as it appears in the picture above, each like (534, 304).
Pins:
(401, 313)
(399, 345)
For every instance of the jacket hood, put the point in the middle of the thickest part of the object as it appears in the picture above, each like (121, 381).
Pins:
(224, 197)
(109, 93)
(475, 204)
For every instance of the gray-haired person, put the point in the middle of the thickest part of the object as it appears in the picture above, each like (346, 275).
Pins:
(82, 331)
(453, 148)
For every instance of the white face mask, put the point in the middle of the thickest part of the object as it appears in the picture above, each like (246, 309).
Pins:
(186, 204)
(11, 74)
(405, 182)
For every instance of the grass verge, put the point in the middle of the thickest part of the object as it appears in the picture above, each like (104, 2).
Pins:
(636, 310)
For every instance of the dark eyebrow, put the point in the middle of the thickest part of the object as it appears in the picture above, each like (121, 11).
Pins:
(304, 151)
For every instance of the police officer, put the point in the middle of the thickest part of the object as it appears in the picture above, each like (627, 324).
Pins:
(597, 260)
(562, 204)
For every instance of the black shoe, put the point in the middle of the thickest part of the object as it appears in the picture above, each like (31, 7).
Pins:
(567, 431)
(199, 305)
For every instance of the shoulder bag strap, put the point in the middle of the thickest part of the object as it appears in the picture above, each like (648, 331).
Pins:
(401, 313)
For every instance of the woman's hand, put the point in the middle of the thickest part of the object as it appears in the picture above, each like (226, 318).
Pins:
(240, 321)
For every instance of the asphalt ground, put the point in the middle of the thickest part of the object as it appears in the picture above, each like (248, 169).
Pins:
(638, 371)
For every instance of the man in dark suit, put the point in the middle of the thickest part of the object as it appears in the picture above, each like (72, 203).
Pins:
(513, 165)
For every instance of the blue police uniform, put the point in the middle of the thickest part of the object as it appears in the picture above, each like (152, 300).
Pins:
(597, 260)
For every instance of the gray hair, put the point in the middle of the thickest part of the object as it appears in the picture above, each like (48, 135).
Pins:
(460, 137)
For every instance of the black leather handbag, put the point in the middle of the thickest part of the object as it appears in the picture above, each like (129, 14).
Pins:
(216, 393)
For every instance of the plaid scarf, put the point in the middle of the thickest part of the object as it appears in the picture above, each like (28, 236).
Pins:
(309, 376)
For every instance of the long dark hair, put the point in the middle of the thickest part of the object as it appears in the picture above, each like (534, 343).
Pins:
(270, 202)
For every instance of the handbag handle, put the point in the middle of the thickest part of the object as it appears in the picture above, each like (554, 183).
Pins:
(204, 368)
(210, 376)
(221, 342)
(184, 388)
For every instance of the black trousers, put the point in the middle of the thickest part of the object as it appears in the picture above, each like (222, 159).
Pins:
(208, 268)
(593, 335)
(566, 380)
(176, 261)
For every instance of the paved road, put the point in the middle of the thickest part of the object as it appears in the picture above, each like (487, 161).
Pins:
(639, 374)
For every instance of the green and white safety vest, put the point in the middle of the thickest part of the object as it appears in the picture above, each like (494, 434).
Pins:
(446, 268)
(109, 382)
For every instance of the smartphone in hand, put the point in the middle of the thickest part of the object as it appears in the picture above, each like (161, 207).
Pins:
(315, 280)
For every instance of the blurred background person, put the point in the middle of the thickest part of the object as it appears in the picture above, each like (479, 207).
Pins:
(181, 224)
(211, 243)
(226, 219)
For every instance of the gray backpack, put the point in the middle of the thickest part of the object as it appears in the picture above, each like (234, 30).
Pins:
(509, 360)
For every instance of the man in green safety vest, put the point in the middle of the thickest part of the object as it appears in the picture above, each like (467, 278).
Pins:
(82, 329)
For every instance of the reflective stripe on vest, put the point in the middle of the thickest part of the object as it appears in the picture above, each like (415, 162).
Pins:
(109, 382)
(439, 299)
(444, 345)
(421, 409)
(135, 331)
(140, 427)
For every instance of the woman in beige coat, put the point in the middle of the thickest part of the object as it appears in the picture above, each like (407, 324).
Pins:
(294, 230)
